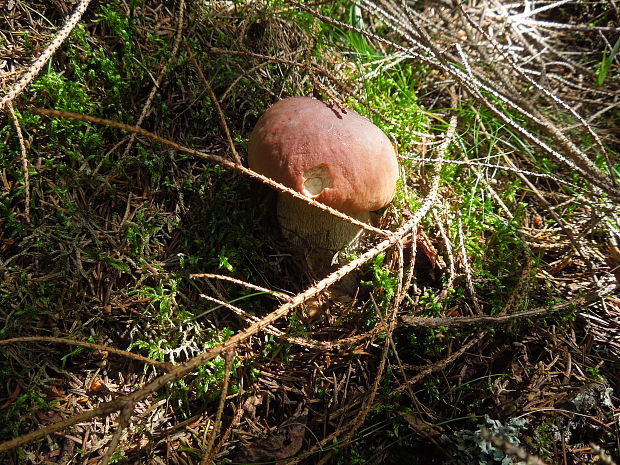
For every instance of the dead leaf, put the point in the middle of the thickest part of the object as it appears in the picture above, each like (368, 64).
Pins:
(281, 443)
(97, 385)
(12, 397)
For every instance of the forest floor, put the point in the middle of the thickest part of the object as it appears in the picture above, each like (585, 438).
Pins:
(152, 312)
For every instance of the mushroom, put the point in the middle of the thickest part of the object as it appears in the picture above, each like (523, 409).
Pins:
(334, 156)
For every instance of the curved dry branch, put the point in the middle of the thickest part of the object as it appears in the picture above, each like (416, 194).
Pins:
(212, 158)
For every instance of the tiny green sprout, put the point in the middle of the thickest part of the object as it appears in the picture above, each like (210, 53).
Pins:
(604, 66)
(595, 374)
(383, 281)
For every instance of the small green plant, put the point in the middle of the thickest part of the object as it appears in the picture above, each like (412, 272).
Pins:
(162, 299)
(595, 374)
(603, 68)
(12, 419)
(382, 281)
(140, 232)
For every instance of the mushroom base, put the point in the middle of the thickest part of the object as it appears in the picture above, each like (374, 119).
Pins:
(307, 226)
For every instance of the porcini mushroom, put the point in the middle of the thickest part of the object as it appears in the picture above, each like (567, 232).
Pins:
(334, 156)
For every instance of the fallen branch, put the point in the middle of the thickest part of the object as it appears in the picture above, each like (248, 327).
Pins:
(430, 322)
(182, 370)
(212, 158)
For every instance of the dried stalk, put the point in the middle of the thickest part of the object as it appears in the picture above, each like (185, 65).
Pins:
(467, 267)
(24, 156)
(160, 78)
(279, 295)
(40, 61)
(216, 104)
(124, 418)
(88, 345)
(208, 453)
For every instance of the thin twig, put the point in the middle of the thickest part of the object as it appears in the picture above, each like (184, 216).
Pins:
(494, 167)
(213, 159)
(458, 321)
(224, 439)
(441, 365)
(88, 345)
(449, 249)
(216, 104)
(302, 342)
(123, 421)
(24, 157)
(208, 452)
(255, 287)
(40, 61)
(160, 77)
(468, 271)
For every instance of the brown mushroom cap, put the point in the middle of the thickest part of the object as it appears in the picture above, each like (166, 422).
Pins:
(340, 159)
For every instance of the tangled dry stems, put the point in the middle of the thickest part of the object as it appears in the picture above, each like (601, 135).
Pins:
(417, 32)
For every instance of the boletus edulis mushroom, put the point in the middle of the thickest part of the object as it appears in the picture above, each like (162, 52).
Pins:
(334, 156)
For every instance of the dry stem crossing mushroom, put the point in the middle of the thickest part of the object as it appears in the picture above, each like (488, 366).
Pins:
(331, 155)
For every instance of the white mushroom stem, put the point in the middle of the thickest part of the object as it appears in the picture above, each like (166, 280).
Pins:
(307, 226)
